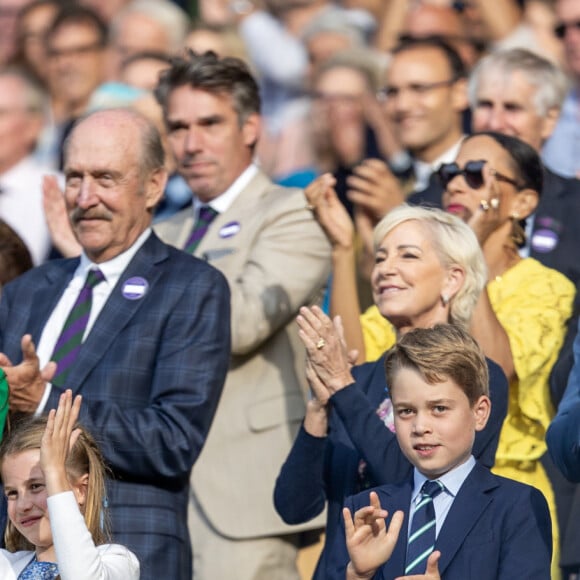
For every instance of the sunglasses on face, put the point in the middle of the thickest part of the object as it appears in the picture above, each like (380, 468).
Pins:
(561, 29)
(472, 172)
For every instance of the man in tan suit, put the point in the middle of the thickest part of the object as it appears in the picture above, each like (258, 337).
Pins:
(276, 259)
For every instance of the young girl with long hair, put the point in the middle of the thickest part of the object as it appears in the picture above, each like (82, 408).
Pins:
(54, 480)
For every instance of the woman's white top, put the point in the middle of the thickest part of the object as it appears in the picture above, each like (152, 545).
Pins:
(77, 556)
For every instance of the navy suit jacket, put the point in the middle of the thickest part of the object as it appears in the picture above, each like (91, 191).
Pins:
(496, 529)
(151, 372)
(325, 469)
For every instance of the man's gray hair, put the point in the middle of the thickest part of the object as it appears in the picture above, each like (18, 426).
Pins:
(168, 15)
(547, 78)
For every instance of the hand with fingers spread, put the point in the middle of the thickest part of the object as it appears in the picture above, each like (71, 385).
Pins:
(373, 188)
(325, 347)
(329, 212)
(59, 437)
(432, 571)
(27, 380)
(57, 220)
(369, 541)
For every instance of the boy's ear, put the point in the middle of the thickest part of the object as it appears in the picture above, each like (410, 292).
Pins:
(481, 411)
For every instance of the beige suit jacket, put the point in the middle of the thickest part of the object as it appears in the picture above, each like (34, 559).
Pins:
(276, 259)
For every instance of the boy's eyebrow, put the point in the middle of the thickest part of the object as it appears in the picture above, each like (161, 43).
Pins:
(439, 401)
(429, 402)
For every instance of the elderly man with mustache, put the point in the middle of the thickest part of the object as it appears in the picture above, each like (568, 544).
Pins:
(139, 328)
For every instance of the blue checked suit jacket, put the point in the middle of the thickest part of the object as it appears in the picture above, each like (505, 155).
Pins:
(496, 529)
(151, 373)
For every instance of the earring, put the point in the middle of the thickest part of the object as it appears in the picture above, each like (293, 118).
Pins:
(518, 233)
(445, 299)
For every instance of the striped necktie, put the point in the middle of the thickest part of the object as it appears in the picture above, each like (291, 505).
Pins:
(69, 342)
(422, 536)
(204, 218)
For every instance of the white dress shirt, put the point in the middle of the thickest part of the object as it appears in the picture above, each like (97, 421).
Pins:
(112, 270)
(452, 480)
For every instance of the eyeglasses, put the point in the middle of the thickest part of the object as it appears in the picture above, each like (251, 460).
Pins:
(472, 172)
(561, 29)
(75, 50)
(416, 89)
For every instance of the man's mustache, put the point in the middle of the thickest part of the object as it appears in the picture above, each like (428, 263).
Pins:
(78, 214)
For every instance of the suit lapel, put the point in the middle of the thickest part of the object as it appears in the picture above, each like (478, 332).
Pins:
(243, 207)
(118, 310)
(396, 498)
(47, 294)
(467, 508)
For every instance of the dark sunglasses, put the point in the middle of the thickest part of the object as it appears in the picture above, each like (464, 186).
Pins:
(562, 28)
(472, 172)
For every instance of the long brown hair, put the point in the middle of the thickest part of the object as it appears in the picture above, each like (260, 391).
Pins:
(84, 457)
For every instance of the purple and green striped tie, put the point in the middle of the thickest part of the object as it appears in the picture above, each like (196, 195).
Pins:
(70, 340)
(204, 218)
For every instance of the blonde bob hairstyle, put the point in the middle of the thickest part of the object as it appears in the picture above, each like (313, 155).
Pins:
(84, 457)
(456, 246)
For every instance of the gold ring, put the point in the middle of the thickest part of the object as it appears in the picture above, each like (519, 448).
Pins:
(484, 205)
(494, 202)
(321, 343)
(310, 207)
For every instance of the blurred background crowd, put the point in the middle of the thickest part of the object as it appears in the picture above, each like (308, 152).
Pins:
(360, 89)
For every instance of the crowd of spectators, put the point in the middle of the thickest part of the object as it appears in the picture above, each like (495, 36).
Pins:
(324, 118)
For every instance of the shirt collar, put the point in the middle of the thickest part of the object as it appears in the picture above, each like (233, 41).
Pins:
(452, 480)
(223, 202)
(112, 269)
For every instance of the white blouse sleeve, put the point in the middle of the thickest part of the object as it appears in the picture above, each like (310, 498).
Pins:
(77, 556)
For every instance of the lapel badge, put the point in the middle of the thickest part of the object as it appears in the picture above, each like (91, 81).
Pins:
(230, 229)
(135, 288)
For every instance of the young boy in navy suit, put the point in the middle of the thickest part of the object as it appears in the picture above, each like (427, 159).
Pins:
(454, 519)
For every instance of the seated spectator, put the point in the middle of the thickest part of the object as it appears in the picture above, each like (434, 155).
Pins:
(223, 39)
(75, 43)
(344, 115)
(145, 26)
(142, 70)
(33, 21)
(429, 269)
(54, 475)
(22, 109)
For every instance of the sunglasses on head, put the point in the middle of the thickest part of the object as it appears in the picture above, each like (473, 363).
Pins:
(561, 29)
(472, 172)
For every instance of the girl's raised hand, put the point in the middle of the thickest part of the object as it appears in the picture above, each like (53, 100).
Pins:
(59, 436)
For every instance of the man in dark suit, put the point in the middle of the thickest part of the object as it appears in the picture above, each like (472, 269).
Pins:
(155, 349)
